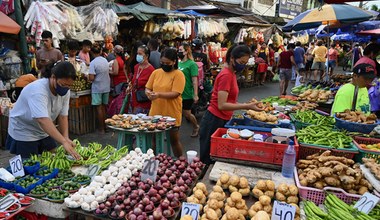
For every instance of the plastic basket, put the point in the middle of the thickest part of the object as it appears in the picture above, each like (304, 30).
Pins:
(32, 169)
(50, 176)
(256, 123)
(265, 152)
(353, 126)
(366, 153)
(26, 190)
(238, 123)
(318, 196)
(310, 149)
(7, 185)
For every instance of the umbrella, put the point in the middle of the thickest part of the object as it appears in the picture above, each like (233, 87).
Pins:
(7, 25)
(332, 15)
(370, 32)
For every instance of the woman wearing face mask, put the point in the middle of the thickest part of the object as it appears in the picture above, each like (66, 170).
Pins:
(190, 93)
(31, 122)
(119, 78)
(164, 88)
(142, 70)
(224, 98)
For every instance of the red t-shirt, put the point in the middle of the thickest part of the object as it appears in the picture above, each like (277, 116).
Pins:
(120, 77)
(225, 81)
(139, 84)
(333, 54)
(285, 61)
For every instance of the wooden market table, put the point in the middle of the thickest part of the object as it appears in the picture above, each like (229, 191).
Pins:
(82, 115)
(143, 139)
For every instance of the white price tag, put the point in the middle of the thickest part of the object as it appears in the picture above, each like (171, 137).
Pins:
(190, 209)
(93, 170)
(367, 202)
(7, 202)
(149, 170)
(16, 166)
(283, 211)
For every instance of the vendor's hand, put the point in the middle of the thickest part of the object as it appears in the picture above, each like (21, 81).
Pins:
(196, 99)
(257, 106)
(69, 147)
(154, 95)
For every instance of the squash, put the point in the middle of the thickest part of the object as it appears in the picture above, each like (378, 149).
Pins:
(261, 215)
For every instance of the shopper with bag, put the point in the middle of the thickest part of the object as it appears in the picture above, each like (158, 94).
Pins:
(143, 70)
(354, 95)
(224, 98)
(118, 75)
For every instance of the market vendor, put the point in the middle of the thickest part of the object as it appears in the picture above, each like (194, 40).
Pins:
(31, 122)
(224, 98)
(354, 95)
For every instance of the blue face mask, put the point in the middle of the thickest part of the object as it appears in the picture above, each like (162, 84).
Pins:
(61, 91)
(139, 58)
(239, 67)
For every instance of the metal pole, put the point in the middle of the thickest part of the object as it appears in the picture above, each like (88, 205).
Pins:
(22, 37)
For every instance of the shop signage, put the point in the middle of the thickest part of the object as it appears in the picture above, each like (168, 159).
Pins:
(367, 202)
(190, 209)
(16, 166)
(149, 170)
(283, 211)
(290, 8)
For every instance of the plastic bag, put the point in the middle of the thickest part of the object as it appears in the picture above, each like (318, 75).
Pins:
(276, 78)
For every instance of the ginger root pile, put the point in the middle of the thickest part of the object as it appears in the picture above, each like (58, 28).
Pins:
(315, 95)
(373, 166)
(357, 116)
(262, 116)
(325, 170)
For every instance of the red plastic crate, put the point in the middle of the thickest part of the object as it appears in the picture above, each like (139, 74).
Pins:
(254, 151)
(306, 150)
(366, 153)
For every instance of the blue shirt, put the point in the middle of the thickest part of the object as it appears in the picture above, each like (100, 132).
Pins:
(299, 54)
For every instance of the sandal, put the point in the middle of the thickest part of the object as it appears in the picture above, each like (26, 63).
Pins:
(195, 132)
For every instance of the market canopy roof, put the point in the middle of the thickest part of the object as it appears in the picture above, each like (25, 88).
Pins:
(8, 25)
(370, 32)
(193, 13)
(148, 9)
(219, 8)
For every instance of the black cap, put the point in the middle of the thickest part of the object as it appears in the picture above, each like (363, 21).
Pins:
(366, 70)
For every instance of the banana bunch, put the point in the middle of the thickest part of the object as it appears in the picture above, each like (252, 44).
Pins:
(105, 163)
(60, 163)
(105, 152)
(90, 161)
(115, 156)
(86, 152)
(95, 146)
(123, 150)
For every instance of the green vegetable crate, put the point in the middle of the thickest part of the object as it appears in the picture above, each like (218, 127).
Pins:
(299, 124)
(310, 149)
(365, 153)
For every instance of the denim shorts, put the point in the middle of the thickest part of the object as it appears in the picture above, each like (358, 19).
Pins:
(285, 74)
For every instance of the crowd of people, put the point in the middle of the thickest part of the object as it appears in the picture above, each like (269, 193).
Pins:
(161, 80)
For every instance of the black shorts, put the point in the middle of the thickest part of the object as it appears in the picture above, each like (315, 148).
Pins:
(187, 104)
(28, 148)
(308, 65)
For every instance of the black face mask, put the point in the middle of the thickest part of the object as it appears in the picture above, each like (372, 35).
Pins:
(181, 55)
(167, 68)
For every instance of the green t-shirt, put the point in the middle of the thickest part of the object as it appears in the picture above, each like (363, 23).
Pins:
(189, 69)
(345, 96)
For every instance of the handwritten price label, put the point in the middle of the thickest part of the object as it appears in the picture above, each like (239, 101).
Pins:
(190, 209)
(366, 203)
(7, 202)
(283, 211)
(16, 166)
(93, 170)
(149, 170)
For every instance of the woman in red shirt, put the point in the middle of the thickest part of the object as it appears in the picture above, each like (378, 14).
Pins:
(142, 70)
(224, 98)
(119, 78)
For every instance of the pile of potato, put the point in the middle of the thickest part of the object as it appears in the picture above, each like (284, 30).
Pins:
(237, 205)
(357, 116)
(234, 184)
(373, 166)
(264, 204)
(325, 170)
(287, 193)
(262, 116)
(264, 187)
(199, 195)
(215, 202)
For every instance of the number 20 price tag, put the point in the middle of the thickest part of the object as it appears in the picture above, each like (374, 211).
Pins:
(190, 209)
(283, 211)
(16, 166)
(367, 202)
(149, 170)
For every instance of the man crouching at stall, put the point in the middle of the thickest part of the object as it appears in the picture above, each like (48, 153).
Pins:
(31, 122)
